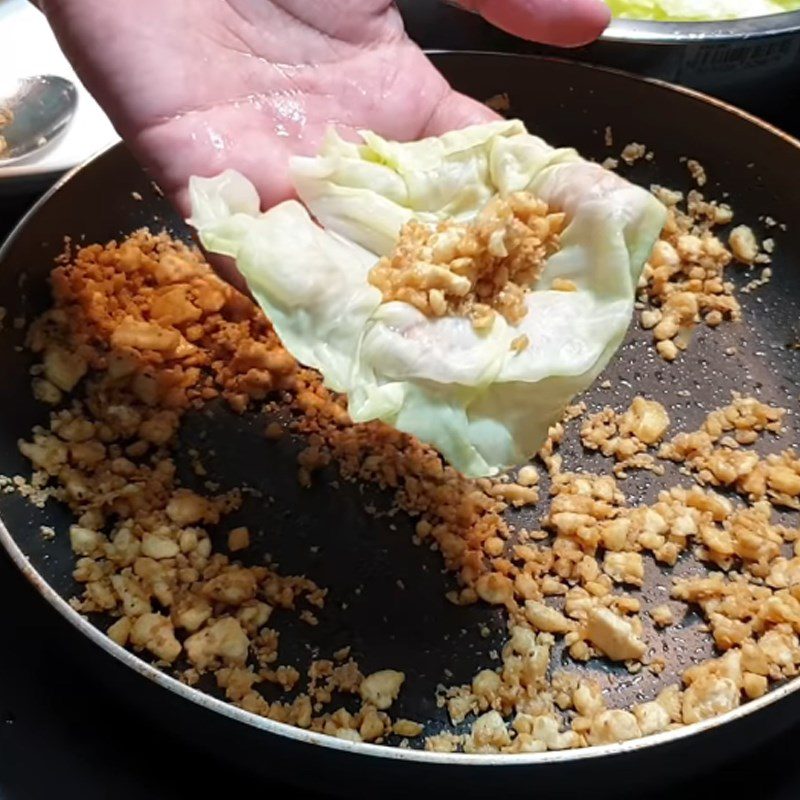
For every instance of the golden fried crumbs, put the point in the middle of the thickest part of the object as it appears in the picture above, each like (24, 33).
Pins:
(662, 616)
(477, 269)
(627, 436)
(697, 171)
(743, 244)
(147, 332)
(742, 420)
(684, 282)
(238, 539)
(762, 280)
(633, 152)
(716, 457)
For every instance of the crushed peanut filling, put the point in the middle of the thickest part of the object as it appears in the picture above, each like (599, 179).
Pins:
(476, 269)
(141, 332)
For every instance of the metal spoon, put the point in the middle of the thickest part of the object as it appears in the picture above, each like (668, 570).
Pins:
(33, 112)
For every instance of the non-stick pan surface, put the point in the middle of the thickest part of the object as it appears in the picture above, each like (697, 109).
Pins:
(396, 614)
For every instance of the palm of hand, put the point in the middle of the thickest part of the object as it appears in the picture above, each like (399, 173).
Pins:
(250, 82)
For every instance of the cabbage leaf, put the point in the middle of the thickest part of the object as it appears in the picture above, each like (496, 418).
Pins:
(483, 405)
(699, 10)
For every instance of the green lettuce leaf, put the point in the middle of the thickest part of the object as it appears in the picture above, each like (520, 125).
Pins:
(481, 404)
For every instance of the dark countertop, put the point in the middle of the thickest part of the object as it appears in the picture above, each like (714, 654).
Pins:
(62, 734)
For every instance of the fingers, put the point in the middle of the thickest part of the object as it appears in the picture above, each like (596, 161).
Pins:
(566, 23)
(457, 111)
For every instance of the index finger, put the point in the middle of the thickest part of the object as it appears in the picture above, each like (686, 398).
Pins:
(566, 23)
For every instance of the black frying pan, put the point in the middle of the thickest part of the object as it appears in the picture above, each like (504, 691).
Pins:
(361, 559)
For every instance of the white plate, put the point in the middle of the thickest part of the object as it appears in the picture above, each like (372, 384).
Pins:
(28, 47)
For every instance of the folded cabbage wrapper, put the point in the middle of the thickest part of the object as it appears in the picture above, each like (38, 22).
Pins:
(483, 405)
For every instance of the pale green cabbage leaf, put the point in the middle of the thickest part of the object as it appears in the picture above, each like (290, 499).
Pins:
(699, 10)
(483, 406)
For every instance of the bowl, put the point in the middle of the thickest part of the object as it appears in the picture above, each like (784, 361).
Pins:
(752, 63)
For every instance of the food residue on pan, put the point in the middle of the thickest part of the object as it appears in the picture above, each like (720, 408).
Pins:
(141, 333)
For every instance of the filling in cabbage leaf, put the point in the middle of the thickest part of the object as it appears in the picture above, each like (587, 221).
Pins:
(483, 402)
(699, 10)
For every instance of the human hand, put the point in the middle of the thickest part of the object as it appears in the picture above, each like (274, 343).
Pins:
(199, 86)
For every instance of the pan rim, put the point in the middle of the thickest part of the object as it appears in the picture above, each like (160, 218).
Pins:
(365, 749)
(695, 94)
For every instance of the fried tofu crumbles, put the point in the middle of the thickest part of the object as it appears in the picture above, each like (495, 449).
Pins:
(686, 281)
(142, 335)
(476, 269)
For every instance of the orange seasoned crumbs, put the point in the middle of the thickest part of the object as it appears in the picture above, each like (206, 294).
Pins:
(150, 332)
(477, 269)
